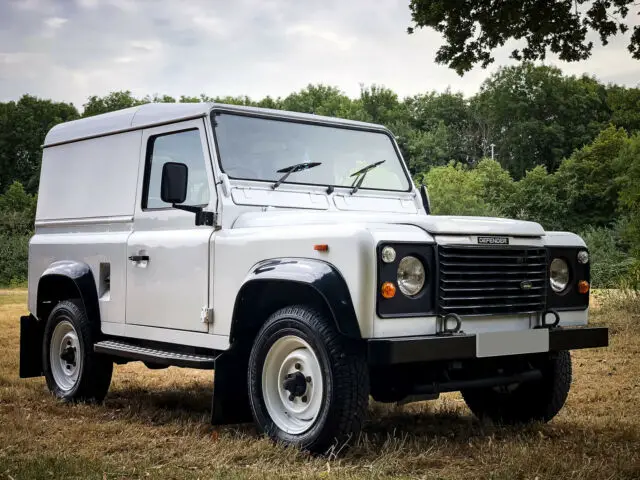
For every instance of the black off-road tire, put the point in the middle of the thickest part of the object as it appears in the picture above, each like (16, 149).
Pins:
(343, 364)
(95, 372)
(529, 402)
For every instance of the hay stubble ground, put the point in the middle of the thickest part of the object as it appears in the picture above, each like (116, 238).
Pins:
(154, 425)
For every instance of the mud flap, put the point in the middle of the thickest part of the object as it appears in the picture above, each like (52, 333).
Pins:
(230, 389)
(31, 332)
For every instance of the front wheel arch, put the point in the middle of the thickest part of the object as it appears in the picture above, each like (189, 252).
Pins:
(278, 283)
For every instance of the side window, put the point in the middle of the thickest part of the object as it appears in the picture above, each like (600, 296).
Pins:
(183, 147)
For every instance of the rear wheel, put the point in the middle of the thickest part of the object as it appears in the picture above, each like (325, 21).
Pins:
(73, 371)
(308, 385)
(527, 402)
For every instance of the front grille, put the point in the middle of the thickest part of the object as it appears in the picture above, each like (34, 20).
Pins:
(491, 280)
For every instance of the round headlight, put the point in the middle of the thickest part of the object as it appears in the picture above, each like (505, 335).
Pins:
(583, 257)
(411, 276)
(559, 275)
(388, 254)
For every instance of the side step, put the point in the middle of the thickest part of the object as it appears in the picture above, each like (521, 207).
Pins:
(153, 355)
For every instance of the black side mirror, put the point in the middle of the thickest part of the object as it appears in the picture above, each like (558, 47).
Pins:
(173, 188)
(426, 203)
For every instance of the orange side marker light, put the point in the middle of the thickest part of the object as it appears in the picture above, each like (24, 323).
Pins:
(583, 286)
(321, 247)
(388, 290)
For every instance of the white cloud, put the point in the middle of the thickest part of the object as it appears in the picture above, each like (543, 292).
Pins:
(55, 22)
(310, 31)
(127, 6)
(87, 3)
(145, 45)
(43, 6)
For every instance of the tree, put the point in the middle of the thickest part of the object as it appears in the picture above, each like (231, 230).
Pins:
(317, 99)
(610, 262)
(110, 103)
(425, 149)
(473, 29)
(23, 127)
(586, 181)
(625, 107)
(456, 190)
(498, 187)
(446, 115)
(537, 116)
(628, 166)
(379, 104)
(243, 100)
(157, 98)
(17, 210)
(536, 199)
(188, 99)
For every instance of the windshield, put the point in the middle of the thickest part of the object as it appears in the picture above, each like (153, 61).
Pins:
(255, 148)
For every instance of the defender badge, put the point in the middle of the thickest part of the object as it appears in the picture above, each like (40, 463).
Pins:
(493, 240)
(526, 285)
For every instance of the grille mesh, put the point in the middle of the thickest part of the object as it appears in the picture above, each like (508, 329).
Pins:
(491, 280)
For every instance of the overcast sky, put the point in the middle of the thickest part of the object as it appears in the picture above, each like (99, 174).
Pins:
(70, 49)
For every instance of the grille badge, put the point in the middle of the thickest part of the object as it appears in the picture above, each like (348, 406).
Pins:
(493, 240)
(526, 285)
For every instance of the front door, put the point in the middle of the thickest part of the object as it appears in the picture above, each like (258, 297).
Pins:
(168, 256)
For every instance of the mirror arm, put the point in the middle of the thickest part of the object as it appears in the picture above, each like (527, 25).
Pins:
(187, 208)
(202, 217)
(425, 199)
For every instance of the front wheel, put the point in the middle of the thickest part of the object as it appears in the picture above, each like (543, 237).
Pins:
(527, 402)
(308, 385)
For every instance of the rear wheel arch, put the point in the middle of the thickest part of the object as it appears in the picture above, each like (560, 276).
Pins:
(65, 280)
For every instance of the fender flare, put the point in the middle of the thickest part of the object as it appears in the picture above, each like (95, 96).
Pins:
(55, 283)
(321, 276)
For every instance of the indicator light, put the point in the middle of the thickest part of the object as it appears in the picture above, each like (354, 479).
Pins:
(388, 290)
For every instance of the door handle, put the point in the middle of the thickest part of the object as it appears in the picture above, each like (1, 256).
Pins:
(139, 258)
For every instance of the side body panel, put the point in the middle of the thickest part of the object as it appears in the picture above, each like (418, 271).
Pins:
(85, 213)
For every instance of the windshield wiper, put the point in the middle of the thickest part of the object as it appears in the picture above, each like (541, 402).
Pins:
(360, 174)
(298, 167)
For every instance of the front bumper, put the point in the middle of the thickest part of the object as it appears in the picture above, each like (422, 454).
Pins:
(391, 351)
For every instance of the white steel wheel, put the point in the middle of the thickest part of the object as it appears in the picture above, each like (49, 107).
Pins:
(292, 384)
(65, 355)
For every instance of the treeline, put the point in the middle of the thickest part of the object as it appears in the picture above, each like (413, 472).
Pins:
(565, 152)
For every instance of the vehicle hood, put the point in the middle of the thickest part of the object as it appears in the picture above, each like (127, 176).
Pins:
(433, 224)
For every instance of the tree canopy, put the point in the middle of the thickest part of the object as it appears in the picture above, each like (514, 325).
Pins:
(472, 30)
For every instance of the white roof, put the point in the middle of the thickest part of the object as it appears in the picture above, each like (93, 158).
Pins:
(151, 114)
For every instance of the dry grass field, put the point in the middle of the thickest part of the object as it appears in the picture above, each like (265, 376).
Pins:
(154, 425)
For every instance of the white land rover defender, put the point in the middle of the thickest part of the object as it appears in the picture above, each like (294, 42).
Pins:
(293, 255)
